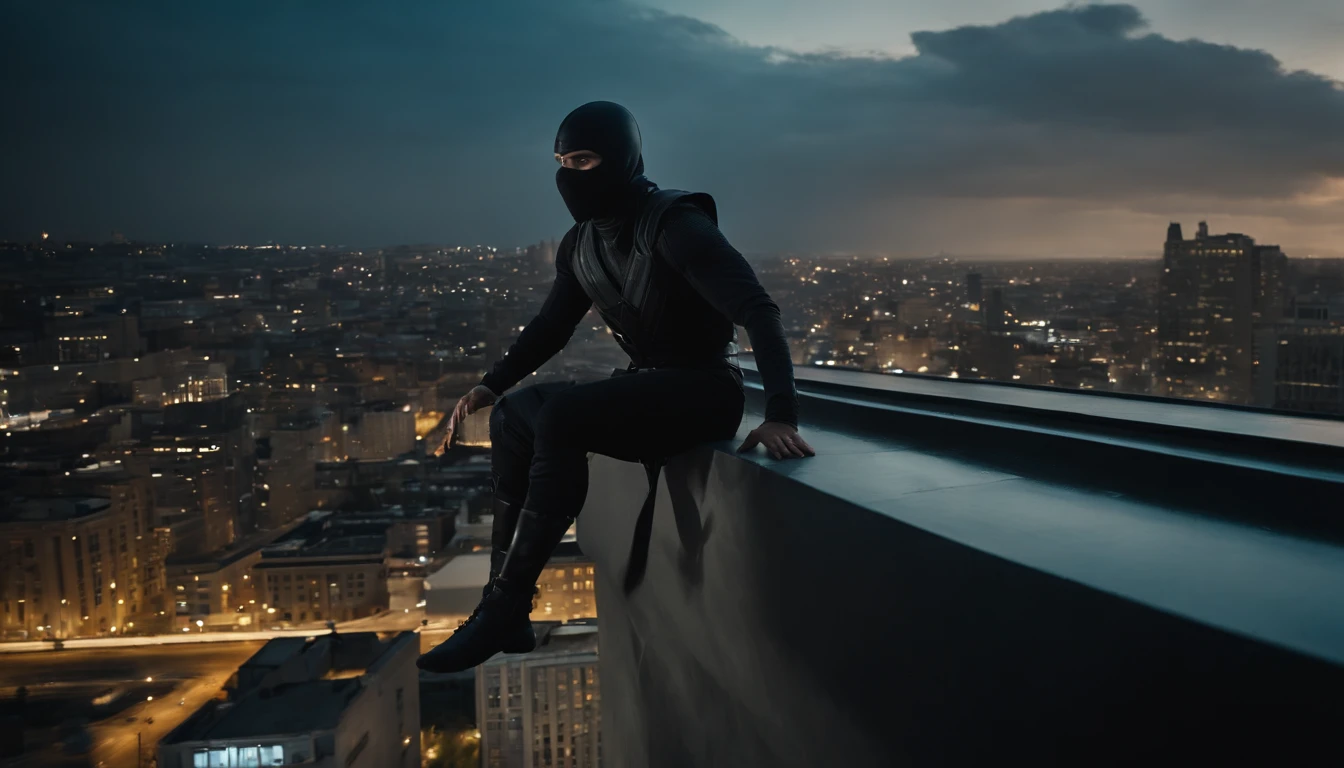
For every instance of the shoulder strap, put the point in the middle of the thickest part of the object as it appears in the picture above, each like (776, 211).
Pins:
(638, 278)
(590, 273)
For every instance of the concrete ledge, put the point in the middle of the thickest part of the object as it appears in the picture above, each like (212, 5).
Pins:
(887, 604)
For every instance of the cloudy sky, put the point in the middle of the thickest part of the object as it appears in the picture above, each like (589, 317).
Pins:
(974, 127)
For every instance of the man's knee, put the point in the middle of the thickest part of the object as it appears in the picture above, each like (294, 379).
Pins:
(559, 423)
(497, 417)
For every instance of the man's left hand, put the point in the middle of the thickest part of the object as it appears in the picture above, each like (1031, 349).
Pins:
(781, 440)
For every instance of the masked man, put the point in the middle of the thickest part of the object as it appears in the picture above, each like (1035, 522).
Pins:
(671, 289)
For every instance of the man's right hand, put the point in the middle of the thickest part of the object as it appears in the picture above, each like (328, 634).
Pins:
(479, 397)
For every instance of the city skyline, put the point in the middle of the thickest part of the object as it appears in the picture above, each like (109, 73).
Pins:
(322, 442)
(206, 448)
(1069, 132)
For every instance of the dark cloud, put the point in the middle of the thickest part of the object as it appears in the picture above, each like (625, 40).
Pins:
(422, 120)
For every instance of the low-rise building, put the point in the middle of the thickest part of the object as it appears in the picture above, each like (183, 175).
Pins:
(337, 578)
(216, 589)
(337, 701)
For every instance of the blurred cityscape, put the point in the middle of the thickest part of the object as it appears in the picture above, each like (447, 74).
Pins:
(220, 497)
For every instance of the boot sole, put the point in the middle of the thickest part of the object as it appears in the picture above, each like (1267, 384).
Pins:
(520, 645)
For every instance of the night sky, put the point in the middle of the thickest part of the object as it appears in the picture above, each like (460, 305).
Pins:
(892, 127)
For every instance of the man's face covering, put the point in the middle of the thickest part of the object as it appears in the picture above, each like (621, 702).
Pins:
(610, 131)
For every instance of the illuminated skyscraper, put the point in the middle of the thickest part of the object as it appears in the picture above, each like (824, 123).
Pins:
(1213, 290)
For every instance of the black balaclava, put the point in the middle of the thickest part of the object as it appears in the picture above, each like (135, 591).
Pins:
(609, 130)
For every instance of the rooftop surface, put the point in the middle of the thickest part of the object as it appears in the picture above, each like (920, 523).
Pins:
(272, 707)
(473, 568)
(555, 644)
(314, 705)
(276, 651)
(53, 509)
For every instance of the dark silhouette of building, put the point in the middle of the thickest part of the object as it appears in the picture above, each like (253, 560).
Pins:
(1300, 359)
(974, 288)
(1213, 291)
(996, 312)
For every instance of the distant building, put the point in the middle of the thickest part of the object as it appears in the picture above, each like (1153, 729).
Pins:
(1300, 360)
(336, 577)
(379, 434)
(414, 537)
(189, 383)
(541, 256)
(474, 431)
(337, 701)
(565, 588)
(217, 589)
(974, 288)
(543, 709)
(133, 498)
(288, 474)
(78, 566)
(1309, 372)
(996, 312)
(90, 337)
(201, 459)
(1213, 291)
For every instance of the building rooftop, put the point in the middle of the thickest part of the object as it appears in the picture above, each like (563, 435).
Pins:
(277, 651)
(240, 549)
(555, 643)
(472, 569)
(293, 685)
(314, 705)
(463, 571)
(53, 509)
(322, 534)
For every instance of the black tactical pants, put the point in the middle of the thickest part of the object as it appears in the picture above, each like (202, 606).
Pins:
(542, 435)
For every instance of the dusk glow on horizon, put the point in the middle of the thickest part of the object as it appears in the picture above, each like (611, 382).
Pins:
(1017, 129)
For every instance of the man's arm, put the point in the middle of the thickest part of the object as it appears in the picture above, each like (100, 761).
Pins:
(693, 244)
(549, 331)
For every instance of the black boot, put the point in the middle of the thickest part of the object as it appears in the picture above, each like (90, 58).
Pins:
(503, 614)
(501, 536)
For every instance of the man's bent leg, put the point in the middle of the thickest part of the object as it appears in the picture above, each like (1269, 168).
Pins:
(512, 434)
(641, 416)
(654, 413)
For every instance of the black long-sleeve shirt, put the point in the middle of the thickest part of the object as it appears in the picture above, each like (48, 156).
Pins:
(707, 286)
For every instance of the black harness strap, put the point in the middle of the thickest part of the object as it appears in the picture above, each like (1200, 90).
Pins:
(594, 279)
(610, 289)
(639, 548)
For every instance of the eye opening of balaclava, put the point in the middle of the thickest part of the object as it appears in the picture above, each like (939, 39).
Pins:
(611, 131)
